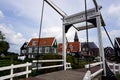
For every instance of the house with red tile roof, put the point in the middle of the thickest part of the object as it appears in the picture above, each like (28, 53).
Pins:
(79, 49)
(71, 47)
(39, 46)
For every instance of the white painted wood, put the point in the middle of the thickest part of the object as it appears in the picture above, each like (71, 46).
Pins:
(48, 67)
(93, 64)
(87, 75)
(68, 65)
(96, 73)
(119, 68)
(64, 45)
(80, 17)
(12, 70)
(114, 65)
(57, 60)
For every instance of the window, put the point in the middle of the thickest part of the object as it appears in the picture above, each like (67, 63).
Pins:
(23, 51)
(30, 50)
(25, 46)
(47, 50)
(32, 56)
(34, 43)
(28, 56)
(83, 49)
(35, 50)
(71, 47)
(55, 50)
(40, 50)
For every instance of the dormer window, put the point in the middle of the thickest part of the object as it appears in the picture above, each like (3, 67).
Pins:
(34, 43)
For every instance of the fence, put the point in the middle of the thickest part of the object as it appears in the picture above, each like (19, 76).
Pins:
(89, 75)
(68, 65)
(114, 67)
(12, 67)
(12, 74)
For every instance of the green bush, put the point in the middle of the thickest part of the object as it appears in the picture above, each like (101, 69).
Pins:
(50, 57)
(118, 76)
(75, 63)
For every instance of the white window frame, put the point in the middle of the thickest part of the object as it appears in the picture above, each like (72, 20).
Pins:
(40, 50)
(23, 51)
(55, 51)
(71, 47)
(30, 50)
(47, 49)
(83, 49)
(28, 56)
(35, 50)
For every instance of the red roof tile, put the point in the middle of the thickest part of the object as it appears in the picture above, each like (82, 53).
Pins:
(73, 46)
(42, 41)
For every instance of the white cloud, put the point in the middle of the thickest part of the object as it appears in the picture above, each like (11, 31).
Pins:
(53, 31)
(114, 18)
(1, 14)
(114, 10)
(30, 9)
(14, 38)
(113, 34)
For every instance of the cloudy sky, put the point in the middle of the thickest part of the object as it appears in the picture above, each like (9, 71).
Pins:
(20, 20)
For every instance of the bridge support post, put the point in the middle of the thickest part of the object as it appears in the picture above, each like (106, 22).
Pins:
(64, 47)
(101, 49)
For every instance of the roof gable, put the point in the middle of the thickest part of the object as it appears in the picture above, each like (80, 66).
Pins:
(41, 41)
(118, 40)
(90, 45)
(24, 45)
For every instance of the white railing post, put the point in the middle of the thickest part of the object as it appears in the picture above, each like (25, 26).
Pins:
(87, 76)
(119, 68)
(27, 69)
(11, 72)
(114, 68)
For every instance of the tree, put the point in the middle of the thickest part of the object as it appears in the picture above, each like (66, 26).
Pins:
(4, 45)
(2, 36)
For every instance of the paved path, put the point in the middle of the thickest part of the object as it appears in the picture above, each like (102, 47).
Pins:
(76, 74)
(63, 75)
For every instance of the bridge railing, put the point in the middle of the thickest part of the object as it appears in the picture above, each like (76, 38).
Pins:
(114, 67)
(68, 65)
(27, 71)
(89, 75)
(12, 74)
